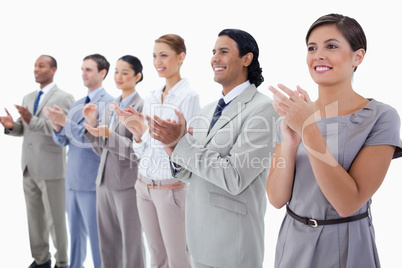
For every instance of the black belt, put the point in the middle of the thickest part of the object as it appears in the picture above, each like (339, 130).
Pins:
(316, 223)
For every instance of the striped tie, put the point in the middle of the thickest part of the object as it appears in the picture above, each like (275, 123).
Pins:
(218, 111)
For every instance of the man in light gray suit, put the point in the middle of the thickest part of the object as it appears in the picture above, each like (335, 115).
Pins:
(83, 163)
(225, 161)
(43, 165)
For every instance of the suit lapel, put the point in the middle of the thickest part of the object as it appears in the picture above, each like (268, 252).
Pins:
(44, 101)
(234, 109)
(95, 100)
(132, 103)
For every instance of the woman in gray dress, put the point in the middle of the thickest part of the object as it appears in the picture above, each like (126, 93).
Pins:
(331, 155)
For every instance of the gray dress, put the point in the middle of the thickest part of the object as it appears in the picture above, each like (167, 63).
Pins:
(349, 244)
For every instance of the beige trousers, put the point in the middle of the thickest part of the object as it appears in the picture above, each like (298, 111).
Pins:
(46, 212)
(162, 218)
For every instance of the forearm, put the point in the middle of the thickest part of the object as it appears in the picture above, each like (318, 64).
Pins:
(232, 173)
(337, 185)
(281, 175)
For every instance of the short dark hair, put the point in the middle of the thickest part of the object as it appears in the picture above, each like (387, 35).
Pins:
(101, 61)
(135, 65)
(53, 62)
(246, 43)
(349, 28)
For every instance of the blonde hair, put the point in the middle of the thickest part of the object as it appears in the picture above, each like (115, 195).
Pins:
(174, 41)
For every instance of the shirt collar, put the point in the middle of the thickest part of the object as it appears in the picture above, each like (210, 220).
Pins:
(93, 93)
(123, 103)
(47, 88)
(175, 89)
(235, 92)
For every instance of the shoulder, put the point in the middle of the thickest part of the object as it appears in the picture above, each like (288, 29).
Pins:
(61, 93)
(384, 112)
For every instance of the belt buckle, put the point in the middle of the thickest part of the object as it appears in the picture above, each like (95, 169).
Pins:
(313, 223)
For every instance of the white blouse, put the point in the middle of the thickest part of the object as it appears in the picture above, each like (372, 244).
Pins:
(154, 163)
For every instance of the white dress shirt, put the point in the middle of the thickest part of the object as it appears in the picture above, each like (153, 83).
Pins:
(154, 163)
(234, 93)
(45, 90)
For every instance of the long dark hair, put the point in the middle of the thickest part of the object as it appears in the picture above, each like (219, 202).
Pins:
(246, 43)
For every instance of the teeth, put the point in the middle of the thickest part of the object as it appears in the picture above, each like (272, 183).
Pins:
(219, 69)
(322, 68)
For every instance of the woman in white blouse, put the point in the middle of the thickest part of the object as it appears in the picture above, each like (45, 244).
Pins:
(160, 197)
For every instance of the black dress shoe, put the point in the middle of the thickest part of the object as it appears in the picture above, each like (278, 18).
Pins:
(47, 264)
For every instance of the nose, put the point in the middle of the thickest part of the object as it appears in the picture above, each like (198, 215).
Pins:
(319, 55)
(157, 60)
(215, 58)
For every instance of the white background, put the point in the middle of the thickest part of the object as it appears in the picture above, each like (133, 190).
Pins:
(70, 30)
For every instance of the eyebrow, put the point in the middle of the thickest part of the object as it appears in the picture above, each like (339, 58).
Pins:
(327, 41)
(221, 48)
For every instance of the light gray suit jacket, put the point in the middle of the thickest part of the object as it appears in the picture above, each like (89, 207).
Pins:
(227, 171)
(118, 163)
(43, 158)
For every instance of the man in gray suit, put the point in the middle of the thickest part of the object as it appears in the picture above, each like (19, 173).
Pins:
(227, 161)
(83, 163)
(43, 165)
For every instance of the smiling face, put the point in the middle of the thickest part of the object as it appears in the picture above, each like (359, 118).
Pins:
(230, 70)
(124, 76)
(330, 58)
(91, 76)
(43, 71)
(166, 61)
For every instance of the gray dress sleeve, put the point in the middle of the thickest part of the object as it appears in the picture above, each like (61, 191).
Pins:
(386, 131)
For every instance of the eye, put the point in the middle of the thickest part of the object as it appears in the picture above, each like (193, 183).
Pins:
(330, 46)
(311, 48)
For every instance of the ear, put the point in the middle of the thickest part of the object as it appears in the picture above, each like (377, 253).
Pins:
(138, 77)
(247, 59)
(53, 69)
(182, 56)
(103, 73)
(358, 57)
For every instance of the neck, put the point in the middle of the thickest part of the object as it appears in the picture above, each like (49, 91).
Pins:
(338, 100)
(127, 92)
(171, 81)
(42, 85)
(227, 88)
(91, 89)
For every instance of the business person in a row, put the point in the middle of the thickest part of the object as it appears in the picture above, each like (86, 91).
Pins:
(82, 162)
(226, 199)
(43, 165)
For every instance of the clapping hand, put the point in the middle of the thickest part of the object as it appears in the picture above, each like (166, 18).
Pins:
(132, 120)
(24, 113)
(90, 113)
(168, 132)
(7, 121)
(56, 117)
(99, 131)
